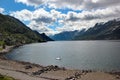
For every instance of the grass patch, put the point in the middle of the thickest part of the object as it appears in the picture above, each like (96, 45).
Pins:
(1, 49)
(6, 78)
(1, 43)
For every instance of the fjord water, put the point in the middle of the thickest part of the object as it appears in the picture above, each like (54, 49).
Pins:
(95, 55)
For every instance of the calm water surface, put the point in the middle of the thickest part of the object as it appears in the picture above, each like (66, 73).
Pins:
(95, 55)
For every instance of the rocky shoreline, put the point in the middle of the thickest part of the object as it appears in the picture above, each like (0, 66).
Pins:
(29, 71)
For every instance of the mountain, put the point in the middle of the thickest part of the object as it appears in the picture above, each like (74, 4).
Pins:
(14, 32)
(44, 36)
(102, 31)
(67, 35)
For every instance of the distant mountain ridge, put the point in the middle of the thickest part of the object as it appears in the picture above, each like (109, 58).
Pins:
(101, 31)
(67, 35)
(13, 31)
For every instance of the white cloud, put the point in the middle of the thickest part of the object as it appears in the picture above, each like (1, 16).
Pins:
(31, 2)
(41, 28)
(87, 19)
(93, 11)
(1, 10)
(42, 16)
(55, 14)
(73, 4)
(23, 15)
(83, 4)
(39, 19)
(69, 26)
(72, 16)
(95, 4)
(112, 12)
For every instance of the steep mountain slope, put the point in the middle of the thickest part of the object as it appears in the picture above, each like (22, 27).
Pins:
(102, 31)
(43, 36)
(13, 31)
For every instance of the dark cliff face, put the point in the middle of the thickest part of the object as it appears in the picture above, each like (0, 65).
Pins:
(102, 31)
(15, 32)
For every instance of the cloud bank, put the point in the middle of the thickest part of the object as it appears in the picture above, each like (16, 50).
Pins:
(90, 12)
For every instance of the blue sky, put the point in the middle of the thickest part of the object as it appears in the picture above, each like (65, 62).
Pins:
(54, 16)
(11, 5)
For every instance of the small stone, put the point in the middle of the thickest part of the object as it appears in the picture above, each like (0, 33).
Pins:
(28, 67)
(117, 77)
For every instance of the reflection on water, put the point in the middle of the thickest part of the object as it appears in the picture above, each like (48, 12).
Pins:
(95, 55)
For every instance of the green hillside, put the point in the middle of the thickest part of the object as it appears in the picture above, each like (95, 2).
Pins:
(14, 32)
